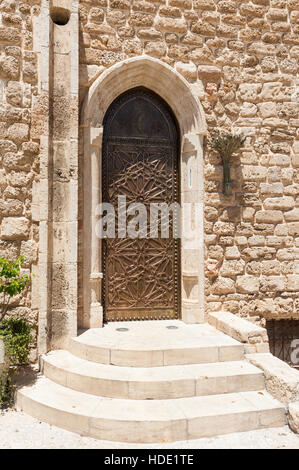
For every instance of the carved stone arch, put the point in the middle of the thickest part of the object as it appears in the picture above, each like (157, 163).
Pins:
(178, 94)
(154, 75)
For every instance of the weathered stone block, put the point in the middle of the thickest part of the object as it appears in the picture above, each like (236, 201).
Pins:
(289, 66)
(15, 228)
(250, 35)
(294, 416)
(204, 5)
(286, 254)
(232, 252)
(155, 48)
(179, 52)
(224, 228)
(256, 240)
(248, 213)
(268, 216)
(223, 285)
(249, 91)
(118, 4)
(171, 25)
(204, 28)
(192, 39)
(232, 267)
(273, 240)
(209, 73)
(14, 93)
(282, 381)
(9, 35)
(202, 55)
(273, 188)
(272, 283)
(280, 203)
(29, 250)
(251, 10)
(118, 18)
(278, 14)
(247, 284)
(215, 252)
(271, 38)
(16, 161)
(3, 180)
(149, 34)
(211, 16)
(293, 229)
(272, 92)
(132, 46)
(292, 283)
(186, 4)
(11, 207)
(141, 19)
(172, 12)
(279, 160)
(248, 110)
(188, 70)
(226, 6)
(238, 328)
(270, 267)
(254, 173)
(226, 31)
(18, 132)
(292, 216)
(9, 67)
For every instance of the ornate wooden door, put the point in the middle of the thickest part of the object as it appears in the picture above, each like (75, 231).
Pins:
(140, 162)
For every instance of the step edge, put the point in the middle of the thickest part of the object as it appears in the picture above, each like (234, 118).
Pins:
(253, 370)
(25, 391)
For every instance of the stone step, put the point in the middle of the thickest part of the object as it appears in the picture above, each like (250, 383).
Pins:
(139, 383)
(152, 343)
(149, 420)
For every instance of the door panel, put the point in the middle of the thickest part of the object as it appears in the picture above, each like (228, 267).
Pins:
(140, 161)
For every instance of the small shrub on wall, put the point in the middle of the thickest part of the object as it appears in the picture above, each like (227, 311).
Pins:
(15, 332)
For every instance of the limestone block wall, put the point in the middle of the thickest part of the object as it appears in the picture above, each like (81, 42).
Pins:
(19, 152)
(242, 58)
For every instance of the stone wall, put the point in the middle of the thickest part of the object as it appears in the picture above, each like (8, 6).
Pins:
(19, 162)
(244, 58)
(241, 59)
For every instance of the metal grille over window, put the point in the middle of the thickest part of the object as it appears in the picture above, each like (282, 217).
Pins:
(284, 340)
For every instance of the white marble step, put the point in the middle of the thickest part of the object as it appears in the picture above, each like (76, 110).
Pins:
(149, 420)
(143, 383)
(152, 343)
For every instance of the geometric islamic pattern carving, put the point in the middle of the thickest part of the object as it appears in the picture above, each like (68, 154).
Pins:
(141, 275)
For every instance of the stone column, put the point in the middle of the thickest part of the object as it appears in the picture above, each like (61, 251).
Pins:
(40, 191)
(64, 133)
(93, 310)
(55, 199)
(192, 241)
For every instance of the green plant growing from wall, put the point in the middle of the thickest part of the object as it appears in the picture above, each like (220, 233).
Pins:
(15, 332)
(16, 335)
(12, 282)
(226, 145)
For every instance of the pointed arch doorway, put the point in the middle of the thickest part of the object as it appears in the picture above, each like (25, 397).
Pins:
(181, 97)
(140, 167)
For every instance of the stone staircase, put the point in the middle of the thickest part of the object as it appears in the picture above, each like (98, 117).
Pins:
(151, 383)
